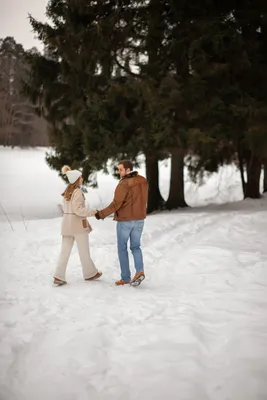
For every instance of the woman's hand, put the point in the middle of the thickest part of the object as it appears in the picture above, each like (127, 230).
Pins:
(91, 213)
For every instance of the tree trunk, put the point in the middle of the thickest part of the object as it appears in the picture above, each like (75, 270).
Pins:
(176, 194)
(155, 200)
(242, 171)
(265, 178)
(253, 177)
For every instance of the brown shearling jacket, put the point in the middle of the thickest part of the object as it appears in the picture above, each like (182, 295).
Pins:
(130, 199)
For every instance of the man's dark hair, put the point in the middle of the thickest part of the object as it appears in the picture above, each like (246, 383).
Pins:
(127, 164)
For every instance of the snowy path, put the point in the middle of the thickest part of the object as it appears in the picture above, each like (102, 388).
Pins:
(195, 330)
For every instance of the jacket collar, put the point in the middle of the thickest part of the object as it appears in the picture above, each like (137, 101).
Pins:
(130, 175)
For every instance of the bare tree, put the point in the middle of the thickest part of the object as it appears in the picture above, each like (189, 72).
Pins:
(19, 123)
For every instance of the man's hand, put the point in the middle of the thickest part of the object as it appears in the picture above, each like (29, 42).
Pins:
(97, 215)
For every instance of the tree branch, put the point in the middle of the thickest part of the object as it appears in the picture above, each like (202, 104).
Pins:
(125, 69)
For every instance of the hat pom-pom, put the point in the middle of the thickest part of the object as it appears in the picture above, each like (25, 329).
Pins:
(65, 169)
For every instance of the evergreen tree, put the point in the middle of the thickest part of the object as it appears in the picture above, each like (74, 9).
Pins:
(77, 55)
(158, 77)
(85, 43)
(234, 71)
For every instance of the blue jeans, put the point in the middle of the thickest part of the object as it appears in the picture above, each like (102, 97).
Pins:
(130, 230)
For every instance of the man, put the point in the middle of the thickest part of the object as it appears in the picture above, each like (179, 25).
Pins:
(129, 209)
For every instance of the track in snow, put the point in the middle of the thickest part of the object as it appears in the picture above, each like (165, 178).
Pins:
(196, 326)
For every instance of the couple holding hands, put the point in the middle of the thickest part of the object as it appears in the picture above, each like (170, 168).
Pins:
(129, 209)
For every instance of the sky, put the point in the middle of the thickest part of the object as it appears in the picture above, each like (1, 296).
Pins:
(14, 20)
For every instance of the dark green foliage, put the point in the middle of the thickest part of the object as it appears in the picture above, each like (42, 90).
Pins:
(159, 77)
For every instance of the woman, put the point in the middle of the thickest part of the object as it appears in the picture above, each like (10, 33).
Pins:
(75, 227)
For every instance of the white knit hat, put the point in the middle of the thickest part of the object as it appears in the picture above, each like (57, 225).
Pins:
(72, 174)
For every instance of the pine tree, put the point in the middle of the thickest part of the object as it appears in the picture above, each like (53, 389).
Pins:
(233, 125)
(85, 45)
(195, 87)
(61, 80)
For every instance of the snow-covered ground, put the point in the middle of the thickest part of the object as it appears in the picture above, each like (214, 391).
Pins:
(196, 329)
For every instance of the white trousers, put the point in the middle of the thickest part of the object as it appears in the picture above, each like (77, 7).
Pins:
(82, 241)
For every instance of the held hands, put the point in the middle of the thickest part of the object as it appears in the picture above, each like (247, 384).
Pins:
(94, 213)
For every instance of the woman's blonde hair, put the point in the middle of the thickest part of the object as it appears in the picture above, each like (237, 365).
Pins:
(68, 192)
